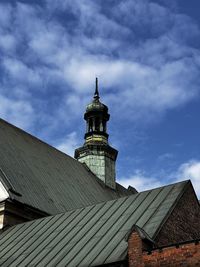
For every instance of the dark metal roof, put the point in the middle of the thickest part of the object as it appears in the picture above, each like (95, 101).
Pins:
(90, 236)
(43, 177)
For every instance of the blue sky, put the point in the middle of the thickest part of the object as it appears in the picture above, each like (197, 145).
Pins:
(147, 57)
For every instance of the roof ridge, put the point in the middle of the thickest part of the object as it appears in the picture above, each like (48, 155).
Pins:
(159, 187)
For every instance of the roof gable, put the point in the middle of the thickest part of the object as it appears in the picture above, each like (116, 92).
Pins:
(91, 236)
(46, 178)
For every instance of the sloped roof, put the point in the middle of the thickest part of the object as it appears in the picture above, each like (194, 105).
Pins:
(46, 178)
(90, 236)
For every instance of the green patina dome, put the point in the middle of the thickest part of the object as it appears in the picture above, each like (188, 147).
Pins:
(96, 105)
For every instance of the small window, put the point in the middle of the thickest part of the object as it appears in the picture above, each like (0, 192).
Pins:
(97, 126)
(90, 125)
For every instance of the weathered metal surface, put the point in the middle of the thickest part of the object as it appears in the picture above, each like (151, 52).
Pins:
(90, 236)
(45, 178)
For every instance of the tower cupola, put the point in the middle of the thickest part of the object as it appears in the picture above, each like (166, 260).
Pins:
(96, 152)
(96, 117)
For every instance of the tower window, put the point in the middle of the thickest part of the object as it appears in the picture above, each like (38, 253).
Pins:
(97, 124)
(104, 126)
(90, 125)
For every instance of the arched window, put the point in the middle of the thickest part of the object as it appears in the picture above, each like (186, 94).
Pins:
(90, 125)
(104, 126)
(97, 124)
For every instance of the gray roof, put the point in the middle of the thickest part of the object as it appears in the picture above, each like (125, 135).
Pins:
(90, 236)
(46, 178)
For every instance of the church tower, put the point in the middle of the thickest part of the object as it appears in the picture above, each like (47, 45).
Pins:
(96, 152)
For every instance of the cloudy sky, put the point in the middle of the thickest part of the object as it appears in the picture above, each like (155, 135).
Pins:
(146, 54)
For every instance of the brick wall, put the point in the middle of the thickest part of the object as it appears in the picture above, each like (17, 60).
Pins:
(183, 223)
(135, 247)
(187, 254)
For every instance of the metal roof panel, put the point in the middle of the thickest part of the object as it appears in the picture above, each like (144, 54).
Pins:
(46, 178)
(88, 236)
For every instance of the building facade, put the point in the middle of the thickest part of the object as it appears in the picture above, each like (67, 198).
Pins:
(60, 211)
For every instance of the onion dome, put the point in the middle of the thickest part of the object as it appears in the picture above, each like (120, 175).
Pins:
(96, 117)
(96, 105)
(96, 108)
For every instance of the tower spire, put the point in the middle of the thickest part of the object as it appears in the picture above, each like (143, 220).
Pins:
(96, 93)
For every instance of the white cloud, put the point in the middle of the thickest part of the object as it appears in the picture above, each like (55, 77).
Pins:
(144, 72)
(140, 181)
(69, 144)
(18, 112)
(5, 15)
(139, 86)
(20, 72)
(187, 171)
(165, 156)
(190, 170)
(7, 43)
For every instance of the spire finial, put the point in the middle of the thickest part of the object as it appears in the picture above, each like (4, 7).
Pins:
(96, 93)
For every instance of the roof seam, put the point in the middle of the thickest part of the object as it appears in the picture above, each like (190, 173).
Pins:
(123, 237)
(91, 208)
(103, 223)
(159, 204)
(38, 223)
(147, 205)
(81, 229)
(62, 215)
(114, 233)
(26, 225)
